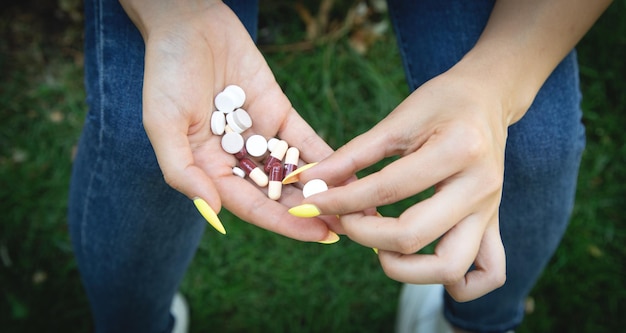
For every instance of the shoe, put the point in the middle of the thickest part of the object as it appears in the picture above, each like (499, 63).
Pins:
(421, 310)
(180, 311)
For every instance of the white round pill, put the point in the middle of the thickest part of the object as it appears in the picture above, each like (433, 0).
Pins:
(232, 124)
(237, 171)
(226, 102)
(271, 143)
(243, 118)
(314, 186)
(239, 120)
(237, 91)
(218, 123)
(256, 145)
(232, 142)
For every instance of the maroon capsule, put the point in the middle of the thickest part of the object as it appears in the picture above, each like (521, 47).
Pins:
(276, 173)
(276, 157)
(291, 160)
(241, 154)
(275, 185)
(253, 171)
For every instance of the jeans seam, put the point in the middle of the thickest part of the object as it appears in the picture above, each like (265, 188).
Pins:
(98, 15)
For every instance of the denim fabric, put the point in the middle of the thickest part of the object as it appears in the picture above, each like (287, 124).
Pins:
(542, 154)
(133, 235)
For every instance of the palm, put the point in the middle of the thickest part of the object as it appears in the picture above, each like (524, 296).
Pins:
(182, 76)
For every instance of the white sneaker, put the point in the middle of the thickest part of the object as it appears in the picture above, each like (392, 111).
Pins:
(421, 310)
(180, 311)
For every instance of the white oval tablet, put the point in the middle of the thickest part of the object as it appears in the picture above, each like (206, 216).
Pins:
(237, 171)
(256, 145)
(232, 142)
(314, 186)
(218, 123)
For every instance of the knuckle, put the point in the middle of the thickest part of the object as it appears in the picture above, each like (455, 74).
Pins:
(497, 280)
(473, 144)
(390, 270)
(460, 296)
(409, 243)
(451, 274)
(171, 180)
(385, 193)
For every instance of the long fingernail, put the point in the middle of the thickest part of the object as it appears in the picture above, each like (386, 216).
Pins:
(331, 238)
(209, 214)
(294, 175)
(305, 210)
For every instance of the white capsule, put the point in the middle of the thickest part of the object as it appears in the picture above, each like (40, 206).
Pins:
(256, 145)
(218, 123)
(314, 186)
(237, 91)
(226, 102)
(292, 156)
(237, 171)
(232, 142)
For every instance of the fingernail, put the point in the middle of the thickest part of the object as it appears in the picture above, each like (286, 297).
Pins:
(330, 238)
(305, 210)
(209, 214)
(294, 175)
(375, 250)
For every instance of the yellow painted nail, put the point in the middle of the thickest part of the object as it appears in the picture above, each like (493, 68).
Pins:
(293, 176)
(331, 238)
(305, 210)
(209, 214)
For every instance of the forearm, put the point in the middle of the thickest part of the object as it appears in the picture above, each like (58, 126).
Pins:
(149, 15)
(522, 44)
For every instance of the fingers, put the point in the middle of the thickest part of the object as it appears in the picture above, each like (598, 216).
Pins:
(453, 257)
(359, 153)
(252, 205)
(176, 160)
(489, 270)
(422, 223)
(437, 160)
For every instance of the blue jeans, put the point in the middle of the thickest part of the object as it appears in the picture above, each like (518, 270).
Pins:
(134, 236)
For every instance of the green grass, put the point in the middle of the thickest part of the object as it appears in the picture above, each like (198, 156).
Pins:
(255, 281)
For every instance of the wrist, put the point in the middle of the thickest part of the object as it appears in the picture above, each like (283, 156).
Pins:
(507, 79)
(150, 16)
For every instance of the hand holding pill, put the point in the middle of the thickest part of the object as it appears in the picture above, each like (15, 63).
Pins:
(450, 135)
(194, 69)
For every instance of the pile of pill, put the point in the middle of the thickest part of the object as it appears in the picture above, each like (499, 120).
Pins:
(230, 121)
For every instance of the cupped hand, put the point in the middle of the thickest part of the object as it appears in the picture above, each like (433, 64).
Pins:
(451, 134)
(193, 52)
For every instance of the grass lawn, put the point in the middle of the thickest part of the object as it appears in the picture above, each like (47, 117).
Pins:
(252, 280)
